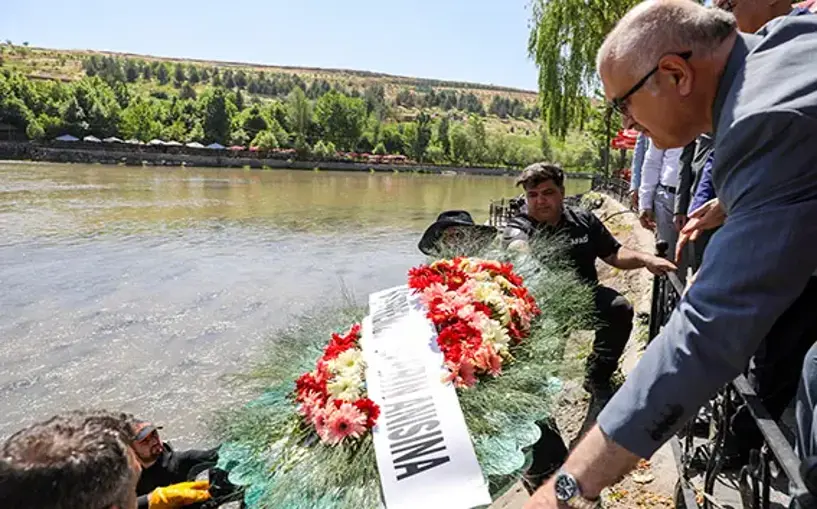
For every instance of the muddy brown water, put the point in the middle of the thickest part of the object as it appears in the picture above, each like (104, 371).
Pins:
(137, 288)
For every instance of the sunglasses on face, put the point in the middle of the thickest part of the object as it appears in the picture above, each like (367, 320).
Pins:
(619, 104)
(153, 435)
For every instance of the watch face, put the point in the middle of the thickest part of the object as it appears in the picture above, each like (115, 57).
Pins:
(566, 487)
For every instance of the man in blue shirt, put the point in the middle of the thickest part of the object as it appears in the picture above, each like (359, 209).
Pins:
(640, 151)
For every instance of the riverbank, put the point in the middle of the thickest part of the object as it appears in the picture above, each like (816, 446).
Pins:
(158, 155)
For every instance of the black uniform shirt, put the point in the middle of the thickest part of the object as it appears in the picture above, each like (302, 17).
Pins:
(587, 237)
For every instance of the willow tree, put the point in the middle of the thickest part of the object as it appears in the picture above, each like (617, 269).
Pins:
(565, 36)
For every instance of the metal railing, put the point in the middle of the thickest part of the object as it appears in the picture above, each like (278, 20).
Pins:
(774, 459)
(616, 188)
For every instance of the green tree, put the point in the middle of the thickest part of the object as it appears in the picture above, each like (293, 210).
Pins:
(176, 131)
(229, 80)
(187, 91)
(299, 113)
(375, 96)
(478, 139)
(131, 71)
(544, 143)
(139, 121)
(324, 150)
(162, 74)
(435, 153)
(73, 118)
(193, 74)
(238, 100)
(239, 137)
(565, 37)
(442, 135)
(179, 76)
(265, 140)
(460, 144)
(99, 104)
(341, 118)
(254, 122)
(215, 78)
(418, 136)
(380, 149)
(241, 79)
(217, 113)
(392, 139)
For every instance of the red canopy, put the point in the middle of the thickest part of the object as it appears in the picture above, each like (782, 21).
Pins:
(625, 139)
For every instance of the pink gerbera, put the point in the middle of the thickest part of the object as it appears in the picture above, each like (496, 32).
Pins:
(312, 403)
(342, 422)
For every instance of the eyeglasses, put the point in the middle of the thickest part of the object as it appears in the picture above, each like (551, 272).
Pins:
(619, 104)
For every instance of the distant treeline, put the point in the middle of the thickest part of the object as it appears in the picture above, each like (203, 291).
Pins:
(280, 84)
(117, 100)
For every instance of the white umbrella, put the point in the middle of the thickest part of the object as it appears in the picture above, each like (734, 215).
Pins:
(92, 139)
(156, 142)
(112, 139)
(216, 146)
(67, 137)
(195, 144)
(134, 141)
(173, 143)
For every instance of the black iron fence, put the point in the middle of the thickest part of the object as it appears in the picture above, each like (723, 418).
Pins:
(699, 446)
(617, 188)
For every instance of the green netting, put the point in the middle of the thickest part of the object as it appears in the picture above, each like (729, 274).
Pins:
(282, 466)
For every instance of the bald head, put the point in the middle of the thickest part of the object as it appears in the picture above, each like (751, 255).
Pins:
(656, 27)
(661, 66)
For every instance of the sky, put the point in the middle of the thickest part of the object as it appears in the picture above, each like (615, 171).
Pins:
(482, 41)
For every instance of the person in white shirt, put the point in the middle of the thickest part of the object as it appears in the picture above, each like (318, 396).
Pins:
(656, 194)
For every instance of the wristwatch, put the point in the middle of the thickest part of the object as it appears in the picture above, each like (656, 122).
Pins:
(568, 492)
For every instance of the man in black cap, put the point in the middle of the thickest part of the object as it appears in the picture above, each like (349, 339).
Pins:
(586, 239)
(161, 465)
(455, 233)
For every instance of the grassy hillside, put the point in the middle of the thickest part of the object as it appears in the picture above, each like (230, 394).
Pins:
(67, 65)
(45, 93)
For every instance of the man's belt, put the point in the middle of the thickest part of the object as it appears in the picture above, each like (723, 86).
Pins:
(669, 189)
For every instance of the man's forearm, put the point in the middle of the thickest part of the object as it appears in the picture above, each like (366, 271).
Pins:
(627, 259)
(598, 462)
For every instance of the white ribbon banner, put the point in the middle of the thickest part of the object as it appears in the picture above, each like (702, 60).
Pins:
(424, 452)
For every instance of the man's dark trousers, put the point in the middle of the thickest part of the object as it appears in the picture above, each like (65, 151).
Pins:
(615, 322)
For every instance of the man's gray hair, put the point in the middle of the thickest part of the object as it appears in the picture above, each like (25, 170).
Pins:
(654, 28)
(71, 461)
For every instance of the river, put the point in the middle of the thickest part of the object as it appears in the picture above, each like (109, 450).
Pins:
(136, 288)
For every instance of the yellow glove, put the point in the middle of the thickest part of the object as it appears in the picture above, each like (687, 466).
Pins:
(179, 495)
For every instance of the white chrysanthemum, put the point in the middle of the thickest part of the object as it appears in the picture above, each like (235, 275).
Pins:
(503, 283)
(348, 363)
(482, 275)
(494, 333)
(345, 387)
(491, 294)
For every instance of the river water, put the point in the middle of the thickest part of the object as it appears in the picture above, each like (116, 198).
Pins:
(136, 288)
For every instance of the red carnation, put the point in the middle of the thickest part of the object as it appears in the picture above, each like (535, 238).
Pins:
(307, 383)
(371, 410)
